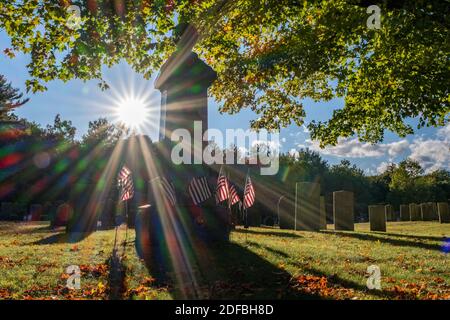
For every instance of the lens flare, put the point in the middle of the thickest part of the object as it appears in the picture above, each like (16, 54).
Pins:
(132, 112)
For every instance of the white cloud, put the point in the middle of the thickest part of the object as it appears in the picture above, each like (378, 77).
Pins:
(353, 148)
(382, 167)
(273, 145)
(397, 148)
(444, 133)
(243, 151)
(294, 153)
(433, 154)
(305, 129)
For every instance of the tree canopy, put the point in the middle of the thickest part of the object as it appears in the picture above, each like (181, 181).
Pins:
(10, 98)
(101, 131)
(269, 55)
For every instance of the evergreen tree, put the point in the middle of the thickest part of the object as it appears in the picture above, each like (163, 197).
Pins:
(10, 98)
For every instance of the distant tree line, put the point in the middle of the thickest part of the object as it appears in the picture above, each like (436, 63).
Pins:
(401, 183)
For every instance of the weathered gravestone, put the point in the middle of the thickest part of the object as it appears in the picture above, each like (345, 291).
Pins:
(435, 214)
(414, 212)
(7, 210)
(286, 212)
(36, 212)
(404, 212)
(107, 216)
(389, 212)
(343, 210)
(377, 217)
(46, 211)
(443, 211)
(63, 214)
(426, 211)
(323, 214)
(254, 215)
(85, 202)
(20, 210)
(54, 211)
(307, 209)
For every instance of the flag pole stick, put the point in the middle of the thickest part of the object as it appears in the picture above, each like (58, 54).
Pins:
(115, 237)
(126, 228)
(245, 208)
(115, 220)
(229, 203)
(246, 226)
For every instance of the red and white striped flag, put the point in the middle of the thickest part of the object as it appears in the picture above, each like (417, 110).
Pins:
(234, 197)
(168, 190)
(199, 190)
(249, 193)
(222, 189)
(125, 183)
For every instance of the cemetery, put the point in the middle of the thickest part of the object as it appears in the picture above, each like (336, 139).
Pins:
(151, 202)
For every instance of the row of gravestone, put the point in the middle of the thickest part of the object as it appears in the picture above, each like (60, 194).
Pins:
(58, 213)
(430, 211)
(309, 210)
(33, 212)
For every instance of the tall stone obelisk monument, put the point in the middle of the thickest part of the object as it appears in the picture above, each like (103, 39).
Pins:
(184, 80)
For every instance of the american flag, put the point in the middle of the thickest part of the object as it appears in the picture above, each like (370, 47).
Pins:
(222, 189)
(234, 198)
(249, 193)
(125, 183)
(168, 190)
(199, 190)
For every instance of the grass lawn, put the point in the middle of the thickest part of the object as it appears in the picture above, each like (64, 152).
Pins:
(257, 263)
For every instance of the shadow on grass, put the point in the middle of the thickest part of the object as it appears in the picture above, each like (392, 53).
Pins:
(117, 276)
(349, 284)
(226, 271)
(268, 233)
(63, 237)
(414, 237)
(17, 227)
(272, 250)
(384, 237)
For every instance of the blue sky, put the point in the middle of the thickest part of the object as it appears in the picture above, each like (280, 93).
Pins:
(82, 102)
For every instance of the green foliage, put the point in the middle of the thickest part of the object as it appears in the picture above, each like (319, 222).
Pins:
(10, 98)
(100, 131)
(61, 130)
(269, 55)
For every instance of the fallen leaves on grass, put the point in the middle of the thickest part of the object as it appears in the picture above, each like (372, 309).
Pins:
(61, 292)
(415, 291)
(44, 267)
(147, 281)
(95, 271)
(6, 262)
(389, 280)
(5, 294)
(144, 291)
(320, 286)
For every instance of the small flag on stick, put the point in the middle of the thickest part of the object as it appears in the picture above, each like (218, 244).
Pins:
(125, 183)
(222, 189)
(234, 197)
(249, 193)
(168, 190)
(199, 190)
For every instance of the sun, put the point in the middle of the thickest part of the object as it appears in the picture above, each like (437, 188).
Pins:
(132, 112)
